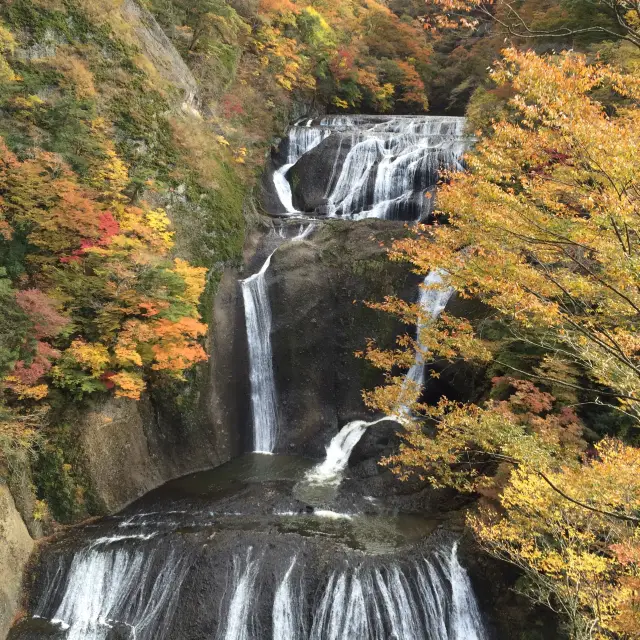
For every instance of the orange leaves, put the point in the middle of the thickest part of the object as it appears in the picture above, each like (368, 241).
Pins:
(176, 349)
(277, 6)
(106, 261)
(128, 385)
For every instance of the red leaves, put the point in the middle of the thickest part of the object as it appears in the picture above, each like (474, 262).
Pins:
(41, 309)
(32, 373)
(527, 396)
(108, 226)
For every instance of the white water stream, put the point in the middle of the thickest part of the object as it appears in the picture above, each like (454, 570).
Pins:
(258, 322)
(109, 586)
(329, 472)
(425, 599)
(432, 302)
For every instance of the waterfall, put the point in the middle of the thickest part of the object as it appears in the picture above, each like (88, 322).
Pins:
(301, 140)
(106, 588)
(407, 603)
(466, 618)
(242, 599)
(258, 322)
(391, 162)
(339, 450)
(240, 552)
(432, 302)
(287, 608)
(263, 387)
(422, 599)
(138, 594)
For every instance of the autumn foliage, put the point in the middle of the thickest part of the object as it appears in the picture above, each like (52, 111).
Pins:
(310, 46)
(104, 303)
(543, 230)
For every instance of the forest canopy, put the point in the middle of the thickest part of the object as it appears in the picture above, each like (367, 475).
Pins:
(541, 233)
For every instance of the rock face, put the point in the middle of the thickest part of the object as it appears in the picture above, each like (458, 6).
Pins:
(15, 547)
(317, 290)
(130, 447)
(159, 49)
(313, 175)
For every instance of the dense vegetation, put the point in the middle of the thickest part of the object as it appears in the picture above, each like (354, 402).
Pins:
(542, 231)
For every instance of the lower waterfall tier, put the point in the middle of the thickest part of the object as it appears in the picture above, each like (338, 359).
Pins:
(232, 554)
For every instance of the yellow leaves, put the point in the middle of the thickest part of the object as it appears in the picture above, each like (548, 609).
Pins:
(221, 140)
(158, 220)
(126, 356)
(26, 105)
(26, 391)
(7, 45)
(539, 224)
(194, 280)
(340, 103)
(559, 543)
(111, 175)
(93, 357)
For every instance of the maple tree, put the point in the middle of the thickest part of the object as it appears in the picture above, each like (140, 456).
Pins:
(542, 229)
(105, 303)
(580, 563)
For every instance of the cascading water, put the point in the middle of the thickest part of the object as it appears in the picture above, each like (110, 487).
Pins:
(198, 560)
(301, 140)
(109, 587)
(238, 552)
(390, 163)
(416, 602)
(263, 387)
(424, 599)
(258, 323)
(338, 452)
(432, 302)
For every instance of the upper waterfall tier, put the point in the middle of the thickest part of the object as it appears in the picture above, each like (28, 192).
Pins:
(367, 166)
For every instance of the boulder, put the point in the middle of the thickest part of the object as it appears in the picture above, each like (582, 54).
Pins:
(312, 177)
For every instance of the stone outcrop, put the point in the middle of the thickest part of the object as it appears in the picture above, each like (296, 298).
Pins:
(155, 44)
(312, 176)
(15, 548)
(317, 290)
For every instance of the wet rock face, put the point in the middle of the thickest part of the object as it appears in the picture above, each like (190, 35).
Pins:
(313, 175)
(317, 289)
